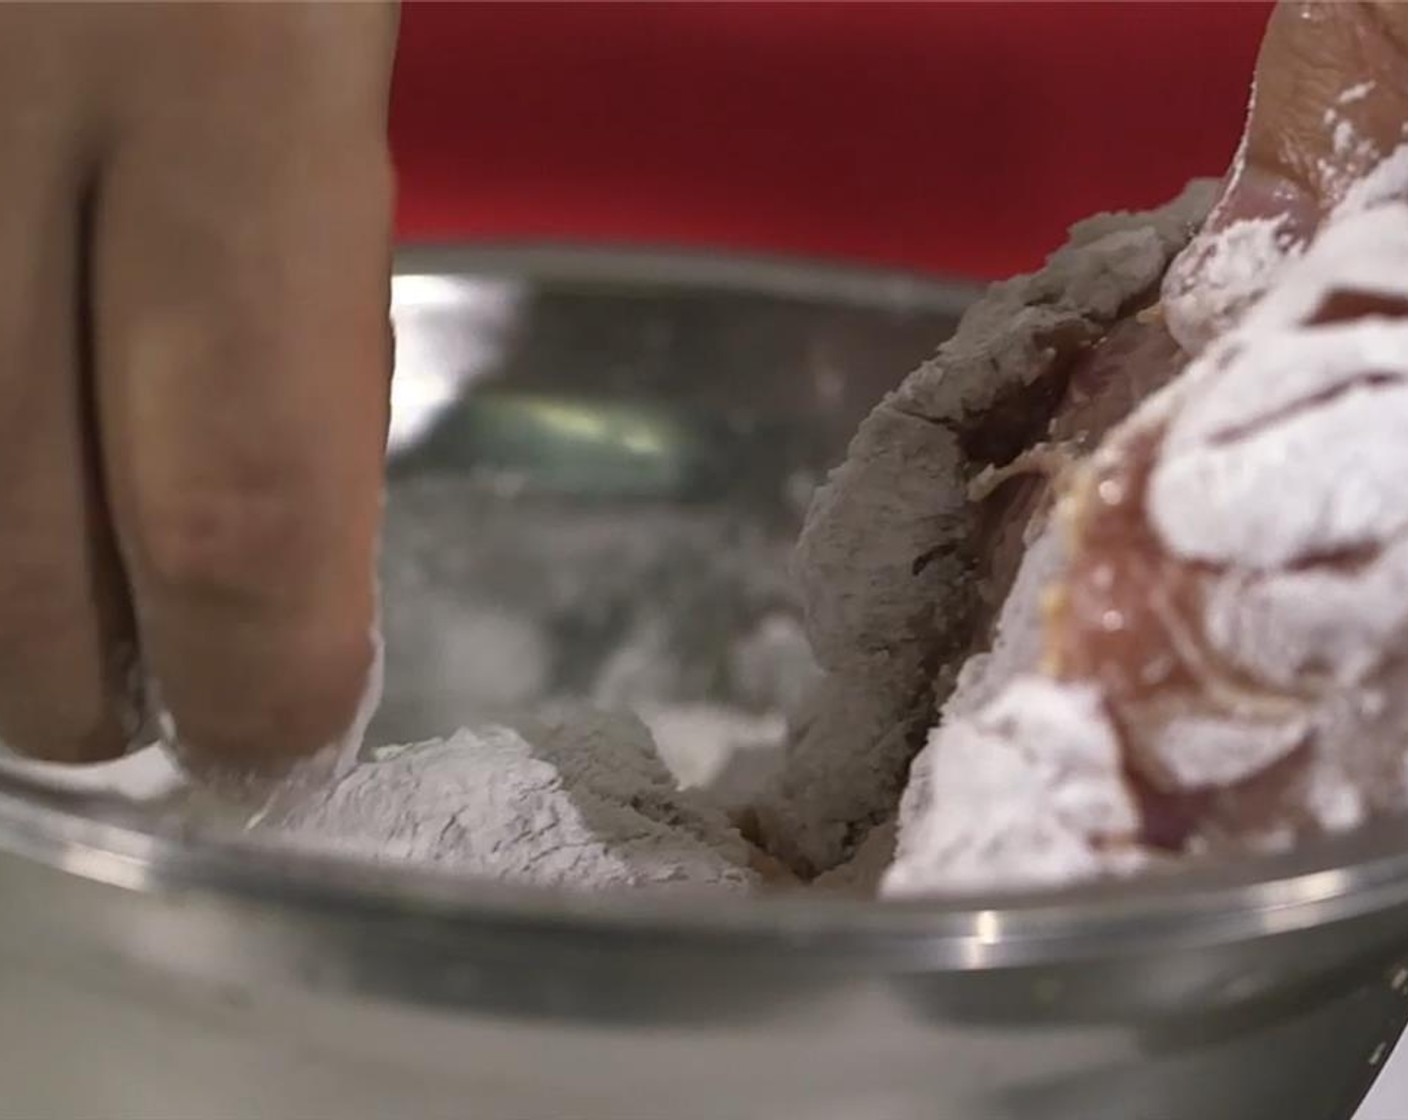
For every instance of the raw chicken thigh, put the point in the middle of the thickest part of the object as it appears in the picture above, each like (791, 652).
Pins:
(1223, 652)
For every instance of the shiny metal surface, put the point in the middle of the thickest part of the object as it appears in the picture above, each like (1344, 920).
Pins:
(149, 973)
(596, 482)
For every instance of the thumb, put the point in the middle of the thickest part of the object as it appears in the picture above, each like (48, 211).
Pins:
(1325, 129)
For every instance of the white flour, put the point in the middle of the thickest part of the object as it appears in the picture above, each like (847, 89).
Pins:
(1386, 182)
(1016, 650)
(145, 775)
(1220, 275)
(1026, 793)
(1224, 272)
(580, 802)
(697, 741)
(1355, 93)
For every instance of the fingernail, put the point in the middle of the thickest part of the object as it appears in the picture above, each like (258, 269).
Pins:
(1260, 221)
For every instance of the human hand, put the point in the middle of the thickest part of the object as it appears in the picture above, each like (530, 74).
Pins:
(194, 372)
(1325, 134)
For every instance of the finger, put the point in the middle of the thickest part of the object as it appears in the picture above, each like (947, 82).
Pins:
(1329, 110)
(1330, 104)
(65, 641)
(242, 277)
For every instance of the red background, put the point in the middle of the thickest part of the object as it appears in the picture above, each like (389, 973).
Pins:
(955, 138)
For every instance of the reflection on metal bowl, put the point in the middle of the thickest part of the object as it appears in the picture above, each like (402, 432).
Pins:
(582, 431)
(595, 483)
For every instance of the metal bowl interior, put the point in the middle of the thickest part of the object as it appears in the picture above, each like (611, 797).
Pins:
(647, 386)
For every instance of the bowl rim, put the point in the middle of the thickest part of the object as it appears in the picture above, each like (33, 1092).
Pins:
(775, 275)
(1323, 882)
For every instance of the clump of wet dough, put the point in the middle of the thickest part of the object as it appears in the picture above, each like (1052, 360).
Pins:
(899, 567)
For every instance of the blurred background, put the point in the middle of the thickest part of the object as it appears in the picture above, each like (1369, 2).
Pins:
(958, 139)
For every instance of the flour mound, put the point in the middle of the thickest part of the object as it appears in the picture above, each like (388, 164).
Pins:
(1027, 793)
(580, 801)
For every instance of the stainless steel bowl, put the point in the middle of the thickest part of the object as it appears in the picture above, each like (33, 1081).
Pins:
(149, 973)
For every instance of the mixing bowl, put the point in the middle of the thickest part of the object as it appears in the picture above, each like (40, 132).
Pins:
(584, 446)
